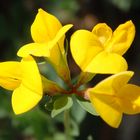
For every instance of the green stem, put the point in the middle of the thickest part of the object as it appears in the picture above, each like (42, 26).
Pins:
(67, 124)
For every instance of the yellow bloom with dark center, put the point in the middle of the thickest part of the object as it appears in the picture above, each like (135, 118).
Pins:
(24, 78)
(100, 51)
(114, 96)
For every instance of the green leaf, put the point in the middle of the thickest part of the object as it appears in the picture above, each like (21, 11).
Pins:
(90, 137)
(86, 105)
(48, 101)
(124, 5)
(77, 112)
(61, 104)
(34, 123)
(74, 131)
(59, 136)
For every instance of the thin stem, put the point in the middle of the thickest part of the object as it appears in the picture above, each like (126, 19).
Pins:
(67, 124)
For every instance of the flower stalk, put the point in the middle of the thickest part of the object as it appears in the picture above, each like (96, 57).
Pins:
(67, 124)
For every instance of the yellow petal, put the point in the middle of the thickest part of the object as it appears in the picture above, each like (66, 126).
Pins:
(103, 32)
(30, 75)
(107, 97)
(130, 99)
(44, 49)
(121, 79)
(59, 39)
(84, 47)
(108, 108)
(113, 83)
(45, 27)
(107, 63)
(35, 49)
(30, 91)
(24, 99)
(59, 63)
(10, 75)
(122, 38)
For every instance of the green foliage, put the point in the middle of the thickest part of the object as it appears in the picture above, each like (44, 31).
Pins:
(77, 112)
(34, 123)
(61, 104)
(67, 6)
(124, 5)
(74, 130)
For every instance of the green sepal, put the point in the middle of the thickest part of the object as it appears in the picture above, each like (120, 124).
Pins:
(51, 87)
(84, 78)
(61, 67)
(86, 105)
(66, 47)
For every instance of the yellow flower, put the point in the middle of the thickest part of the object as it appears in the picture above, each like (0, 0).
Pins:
(48, 36)
(100, 51)
(24, 78)
(113, 96)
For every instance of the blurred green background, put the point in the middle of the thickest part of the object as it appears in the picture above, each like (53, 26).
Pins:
(16, 17)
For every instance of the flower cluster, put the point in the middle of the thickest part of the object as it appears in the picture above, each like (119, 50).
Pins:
(97, 52)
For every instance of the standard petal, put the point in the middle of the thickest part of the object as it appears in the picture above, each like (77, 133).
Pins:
(10, 75)
(44, 27)
(130, 99)
(108, 108)
(45, 49)
(122, 38)
(112, 84)
(121, 79)
(107, 63)
(35, 49)
(103, 32)
(84, 47)
(30, 90)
